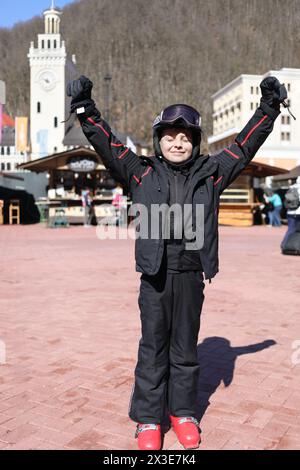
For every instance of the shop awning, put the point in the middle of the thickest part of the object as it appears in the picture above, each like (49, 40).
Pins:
(290, 175)
(59, 161)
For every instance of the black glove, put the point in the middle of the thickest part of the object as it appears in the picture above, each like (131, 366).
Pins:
(273, 93)
(80, 90)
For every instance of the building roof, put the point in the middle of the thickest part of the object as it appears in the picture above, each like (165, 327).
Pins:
(75, 137)
(292, 174)
(262, 170)
(58, 161)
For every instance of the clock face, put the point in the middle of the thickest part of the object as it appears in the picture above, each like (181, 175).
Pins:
(47, 80)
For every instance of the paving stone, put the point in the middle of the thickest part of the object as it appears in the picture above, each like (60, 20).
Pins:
(71, 326)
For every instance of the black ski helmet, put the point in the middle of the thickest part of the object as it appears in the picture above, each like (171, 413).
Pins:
(178, 115)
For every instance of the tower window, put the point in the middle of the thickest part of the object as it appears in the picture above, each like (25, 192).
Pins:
(43, 44)
(49, 44)
(2, 150)
(38, 107)
(55, 122)
(2, 166)
(8, 150)
(251, 90)
(52, 25)
(8, 166)
(54, 43)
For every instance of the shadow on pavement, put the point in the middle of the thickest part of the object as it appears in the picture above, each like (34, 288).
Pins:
(217, 358)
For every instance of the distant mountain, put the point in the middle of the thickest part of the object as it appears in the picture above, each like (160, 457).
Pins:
(159, 51)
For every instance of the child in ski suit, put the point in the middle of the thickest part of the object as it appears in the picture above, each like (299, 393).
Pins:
(172, 275)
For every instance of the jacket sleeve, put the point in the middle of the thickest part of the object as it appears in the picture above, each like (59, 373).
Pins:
(234, 159)
(125, 166)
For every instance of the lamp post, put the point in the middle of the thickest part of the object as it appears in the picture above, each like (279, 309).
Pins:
(107, 80)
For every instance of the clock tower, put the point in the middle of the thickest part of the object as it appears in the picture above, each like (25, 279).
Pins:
(47, 88)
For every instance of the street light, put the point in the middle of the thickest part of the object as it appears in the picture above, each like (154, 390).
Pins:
(107, 79)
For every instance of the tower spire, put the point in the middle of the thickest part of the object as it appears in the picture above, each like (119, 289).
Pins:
(52, 5)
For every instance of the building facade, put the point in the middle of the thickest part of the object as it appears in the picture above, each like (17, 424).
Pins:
(234, 105)
(48, 62)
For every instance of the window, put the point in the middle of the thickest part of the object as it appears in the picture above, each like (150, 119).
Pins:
(251, 90)
(2, 150)
(52, 25)
(55, 149)
(54, 44)
(288, 87)
(2, 166)
(49, 44)
(8, 166)
(8, 150)
(38, 107)
(43, 44)
(257, 90)
(285, 120)
(285, 136)
(55, 122)
(251, 106)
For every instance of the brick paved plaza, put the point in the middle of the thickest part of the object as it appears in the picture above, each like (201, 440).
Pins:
(69, 332)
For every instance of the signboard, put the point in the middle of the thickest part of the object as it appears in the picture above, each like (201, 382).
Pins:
(82, 164)
(42, 138)
(21, 142)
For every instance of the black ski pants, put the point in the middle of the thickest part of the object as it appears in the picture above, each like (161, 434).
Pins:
(166, 374)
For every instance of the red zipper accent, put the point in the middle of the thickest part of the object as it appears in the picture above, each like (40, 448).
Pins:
(219, 179)
(117, 145)
(137, 180)
(98, 125)
(146, 172)
(231, 153)
(253, 129)
(123, 153)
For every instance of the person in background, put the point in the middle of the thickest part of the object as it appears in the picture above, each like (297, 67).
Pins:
(86, 204)
(274, 214)
(293, 216)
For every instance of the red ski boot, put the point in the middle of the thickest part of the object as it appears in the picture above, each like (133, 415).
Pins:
(149, 436)
(187, 431)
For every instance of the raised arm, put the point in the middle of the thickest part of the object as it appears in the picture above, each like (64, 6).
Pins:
(125, 165)
(234, 159)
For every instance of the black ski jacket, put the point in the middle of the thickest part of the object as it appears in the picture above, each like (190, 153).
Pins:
(147, 180)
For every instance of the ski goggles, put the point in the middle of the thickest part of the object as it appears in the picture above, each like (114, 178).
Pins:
(190, 116)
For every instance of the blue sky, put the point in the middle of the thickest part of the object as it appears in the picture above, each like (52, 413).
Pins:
(22, 10)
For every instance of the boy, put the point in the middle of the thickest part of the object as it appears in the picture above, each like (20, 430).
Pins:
(171, 291)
